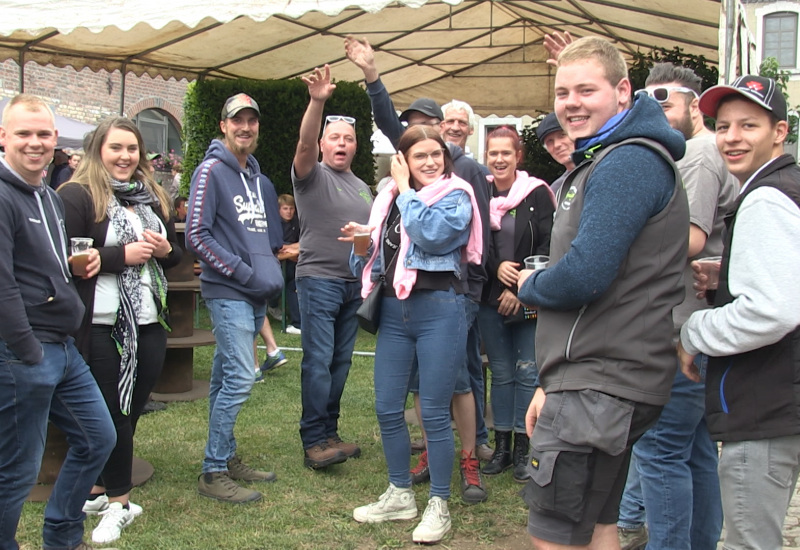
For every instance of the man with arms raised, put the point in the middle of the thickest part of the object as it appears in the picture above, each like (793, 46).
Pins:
(42, 374)
(752, 334)
(603, 342)
(328, 195)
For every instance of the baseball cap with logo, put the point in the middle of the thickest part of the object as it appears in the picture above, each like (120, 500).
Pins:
(236, 103)
(759, 89)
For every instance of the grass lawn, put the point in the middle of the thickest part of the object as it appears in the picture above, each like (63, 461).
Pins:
(303, 509)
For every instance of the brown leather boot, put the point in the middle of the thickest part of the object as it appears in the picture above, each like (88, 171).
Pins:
(351, 450)
(323, 455)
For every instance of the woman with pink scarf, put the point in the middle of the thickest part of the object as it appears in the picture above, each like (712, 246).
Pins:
(521, 213)
(422, 229)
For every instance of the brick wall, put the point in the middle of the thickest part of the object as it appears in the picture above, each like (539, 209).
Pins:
(88, 96)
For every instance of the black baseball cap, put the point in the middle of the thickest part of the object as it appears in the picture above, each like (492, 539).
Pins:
(424, 105)
(548, 125)
(759, 89)
(236, 103)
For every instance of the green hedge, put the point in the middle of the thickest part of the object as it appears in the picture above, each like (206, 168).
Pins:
(282, 104)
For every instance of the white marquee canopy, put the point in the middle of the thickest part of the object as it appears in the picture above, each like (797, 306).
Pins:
(486, 52)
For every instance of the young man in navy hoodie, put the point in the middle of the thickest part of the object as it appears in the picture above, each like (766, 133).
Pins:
(603, 343)
(228, 229)
(42, 374)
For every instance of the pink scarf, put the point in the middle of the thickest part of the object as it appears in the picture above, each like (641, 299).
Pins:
(404, 278)
(521, 188)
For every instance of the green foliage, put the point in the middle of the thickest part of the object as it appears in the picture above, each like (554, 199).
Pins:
(770, 68)
(282, 104)
(642, 63)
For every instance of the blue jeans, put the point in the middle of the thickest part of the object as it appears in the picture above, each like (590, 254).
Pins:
(61, 388)
(677, 465)
(328, 310)
(475, 368)
(236, 324)
(631, 508)
(430, 326)
(512, 359)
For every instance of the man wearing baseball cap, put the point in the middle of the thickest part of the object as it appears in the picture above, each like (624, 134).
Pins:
(752, 335)
(558, 144)
(228, 229)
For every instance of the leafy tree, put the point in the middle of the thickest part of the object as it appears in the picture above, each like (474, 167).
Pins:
(770, 68)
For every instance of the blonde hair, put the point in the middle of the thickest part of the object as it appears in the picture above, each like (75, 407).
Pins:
(599, 49)
(31, 103)
(286, 199)
(92, 173)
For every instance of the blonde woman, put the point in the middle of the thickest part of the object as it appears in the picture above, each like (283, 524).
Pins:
(113, 199)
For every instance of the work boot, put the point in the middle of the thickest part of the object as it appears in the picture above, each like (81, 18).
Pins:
(239, 471)
(633, 539)
(421, 473)
(220, 486)
(472, 489)
(350, 450)
(520, 457)
(323, 455)
(501, 459)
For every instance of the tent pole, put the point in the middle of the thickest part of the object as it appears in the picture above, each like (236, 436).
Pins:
(730, 32)
(22, 71)
(123, 73)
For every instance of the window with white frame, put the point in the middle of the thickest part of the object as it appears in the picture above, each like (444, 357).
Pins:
(780, 38)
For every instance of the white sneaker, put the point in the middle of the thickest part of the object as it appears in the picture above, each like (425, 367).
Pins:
(135, 509)
(94, 507)
(435, 522)
(114, 519)
(392, 505)
(291, 329)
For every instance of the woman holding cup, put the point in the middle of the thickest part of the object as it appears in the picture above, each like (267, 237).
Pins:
(521, 214)
(113, 200)
(421, 224)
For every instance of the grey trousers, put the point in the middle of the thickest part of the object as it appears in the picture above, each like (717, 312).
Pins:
(757, 480)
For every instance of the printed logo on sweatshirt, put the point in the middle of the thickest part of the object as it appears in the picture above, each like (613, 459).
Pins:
(366, 196)
(251, 212)
(34, 220)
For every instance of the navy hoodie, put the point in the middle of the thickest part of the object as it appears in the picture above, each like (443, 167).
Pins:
(233, 227)
(37, 297)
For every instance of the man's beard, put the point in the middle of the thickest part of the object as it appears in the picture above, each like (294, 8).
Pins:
(239, 149)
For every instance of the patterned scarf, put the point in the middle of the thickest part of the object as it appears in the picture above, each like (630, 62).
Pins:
(125, 331)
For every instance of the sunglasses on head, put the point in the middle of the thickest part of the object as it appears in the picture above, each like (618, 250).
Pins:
(661, 94)
(339, 118)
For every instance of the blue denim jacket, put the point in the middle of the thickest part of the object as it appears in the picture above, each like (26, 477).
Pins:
(437, 232)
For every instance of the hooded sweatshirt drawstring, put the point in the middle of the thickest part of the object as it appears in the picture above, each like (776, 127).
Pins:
(61, 259)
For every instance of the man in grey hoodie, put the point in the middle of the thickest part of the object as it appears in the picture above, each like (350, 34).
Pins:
(42, 374)
(227, 227)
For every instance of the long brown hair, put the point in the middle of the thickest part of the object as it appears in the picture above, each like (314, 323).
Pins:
(420, 132)
(92, 174)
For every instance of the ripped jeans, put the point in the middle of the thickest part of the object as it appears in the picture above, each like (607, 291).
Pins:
(512, 359)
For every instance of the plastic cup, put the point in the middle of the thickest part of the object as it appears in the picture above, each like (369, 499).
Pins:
(361, 244)
(710, 268)
(79, 249)
(537, 262)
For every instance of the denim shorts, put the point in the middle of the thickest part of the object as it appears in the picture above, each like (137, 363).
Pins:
(580, 451)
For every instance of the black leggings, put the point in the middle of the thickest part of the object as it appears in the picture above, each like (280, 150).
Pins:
(104, 364)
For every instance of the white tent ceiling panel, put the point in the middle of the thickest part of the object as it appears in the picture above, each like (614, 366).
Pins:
(486, 52)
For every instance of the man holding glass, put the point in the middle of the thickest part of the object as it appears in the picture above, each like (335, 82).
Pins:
(752, 335)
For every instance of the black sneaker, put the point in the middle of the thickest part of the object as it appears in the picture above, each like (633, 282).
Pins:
(472, 489)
